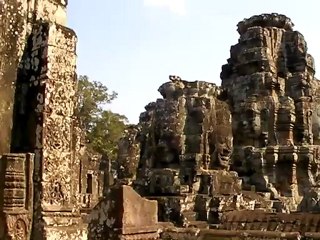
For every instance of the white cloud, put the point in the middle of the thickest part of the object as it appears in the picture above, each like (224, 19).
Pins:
(176, 6)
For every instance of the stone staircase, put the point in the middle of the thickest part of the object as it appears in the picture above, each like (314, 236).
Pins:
(191, 220)
(201, 210)
(208, 209)
(190, 216)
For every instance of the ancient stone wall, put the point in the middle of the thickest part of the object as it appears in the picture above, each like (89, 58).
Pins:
(238, 158)
(46, 88)
(16, 19)
(50, 10)
(12, 41)
(91, 178)
(39, 86)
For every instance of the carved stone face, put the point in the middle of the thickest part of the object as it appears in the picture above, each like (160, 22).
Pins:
(129, 153)
(223, 155)
(165, 154)
(223, 150)
(171, 90)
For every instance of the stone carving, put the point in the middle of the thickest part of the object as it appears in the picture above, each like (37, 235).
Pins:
(277, 106)
(207, 154)
(52, 92)
(16, 198)
(18, 227)
(58, 193)
(240, 158)
(20, 230)
(129, 154)
(177, 143)
(37, 98)
(93, 173)
(221, 157)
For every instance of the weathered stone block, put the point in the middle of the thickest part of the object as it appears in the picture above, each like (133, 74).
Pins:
(117, 218)
(164, 181)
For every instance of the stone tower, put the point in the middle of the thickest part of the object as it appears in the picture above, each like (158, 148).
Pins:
(237, 161)
(274, 99)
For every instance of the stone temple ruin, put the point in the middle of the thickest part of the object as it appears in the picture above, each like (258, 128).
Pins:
(236, 161)
(240, 161)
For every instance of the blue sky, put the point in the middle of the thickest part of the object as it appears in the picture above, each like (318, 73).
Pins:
(132, 46)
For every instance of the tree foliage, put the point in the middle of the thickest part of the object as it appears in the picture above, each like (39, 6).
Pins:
(103, 128)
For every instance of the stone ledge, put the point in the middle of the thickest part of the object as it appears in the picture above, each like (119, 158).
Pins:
(225, 234)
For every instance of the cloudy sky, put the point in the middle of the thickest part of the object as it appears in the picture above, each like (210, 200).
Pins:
(132, 46)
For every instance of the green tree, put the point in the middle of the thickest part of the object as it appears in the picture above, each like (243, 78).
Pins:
(103, 128)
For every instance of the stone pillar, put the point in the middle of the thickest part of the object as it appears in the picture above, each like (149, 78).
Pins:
(306, 166)
(286, 121)
(304, 120)
(287, 170)
(107, 178)
(16, 196)
(50, 75)
(272, 155)
(17, 18)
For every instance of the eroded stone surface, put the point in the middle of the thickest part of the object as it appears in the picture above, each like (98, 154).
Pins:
(17, 18)
(123, 214)
(240, 157)
(272, 91)
(235, 162)
(37, 101)
(180, 153)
